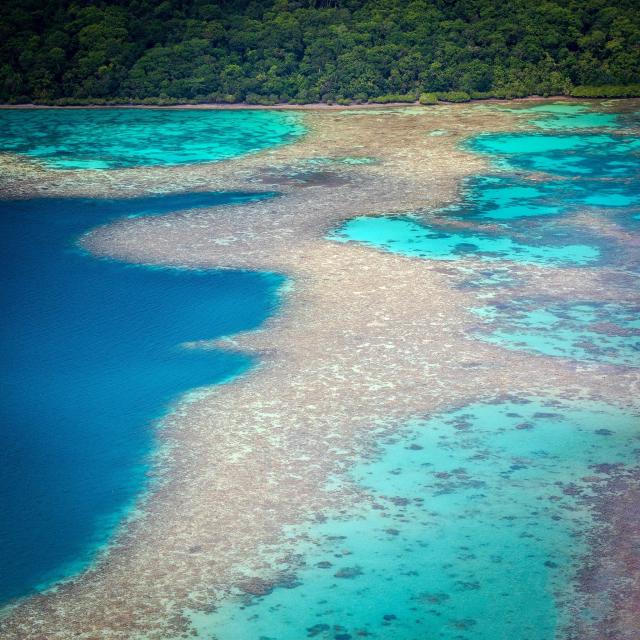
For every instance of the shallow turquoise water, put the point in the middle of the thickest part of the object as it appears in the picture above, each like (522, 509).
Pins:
(568, 115)
(413, 238)
(518, 215)
(592, 332)
(531, 215)
(113, 138)
(564, 154)
(508, 198)
(487, 548)
(578, 121)
(471, 525)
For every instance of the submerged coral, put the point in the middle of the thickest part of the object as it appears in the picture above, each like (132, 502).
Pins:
(366, 340)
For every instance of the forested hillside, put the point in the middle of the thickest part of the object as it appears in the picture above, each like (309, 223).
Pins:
(268, 51)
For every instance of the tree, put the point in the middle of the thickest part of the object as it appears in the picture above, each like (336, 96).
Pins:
(308, 50)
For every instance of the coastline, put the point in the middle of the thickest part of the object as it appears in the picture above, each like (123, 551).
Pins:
(322, 106)
(363, 338)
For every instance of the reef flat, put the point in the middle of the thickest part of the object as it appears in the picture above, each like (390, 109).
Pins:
(366, 341)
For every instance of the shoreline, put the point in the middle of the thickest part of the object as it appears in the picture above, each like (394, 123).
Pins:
(317, 106)
(363, 338)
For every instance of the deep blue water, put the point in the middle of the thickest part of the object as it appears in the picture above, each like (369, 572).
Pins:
(90, 355)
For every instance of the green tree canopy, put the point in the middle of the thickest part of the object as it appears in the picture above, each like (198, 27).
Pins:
(269, 51)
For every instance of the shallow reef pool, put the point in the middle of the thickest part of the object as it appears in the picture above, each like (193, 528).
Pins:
(564, 154)
(567, 115)
(528, 210)
(597, 332)
(116, 138)
(470, 530)
(413, 238)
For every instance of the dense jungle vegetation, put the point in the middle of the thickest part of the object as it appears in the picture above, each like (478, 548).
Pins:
(303, 51)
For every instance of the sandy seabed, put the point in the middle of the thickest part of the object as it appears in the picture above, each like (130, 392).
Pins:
(364, 340)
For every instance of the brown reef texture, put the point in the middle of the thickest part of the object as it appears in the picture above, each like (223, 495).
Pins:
(609, 581)
(363, 339)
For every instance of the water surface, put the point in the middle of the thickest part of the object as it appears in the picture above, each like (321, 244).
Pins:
(471, 523)
(91, 355)
(113, 138)
(471, 529)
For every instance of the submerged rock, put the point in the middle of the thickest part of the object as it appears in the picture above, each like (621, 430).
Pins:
(256, 586)
(348, 572)
(317, 629)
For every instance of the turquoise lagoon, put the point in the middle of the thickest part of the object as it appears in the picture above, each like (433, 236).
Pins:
(92, 350)
(115, 138)
(470, 530)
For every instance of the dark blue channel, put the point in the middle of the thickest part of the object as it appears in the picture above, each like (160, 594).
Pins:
(90, 355)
